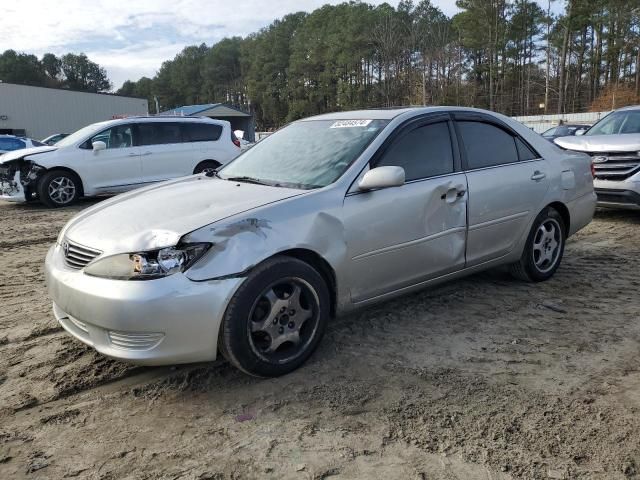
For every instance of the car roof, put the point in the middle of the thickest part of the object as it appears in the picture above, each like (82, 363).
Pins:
(393, 112)
(171, 118)
(373, 114)
(159, 118)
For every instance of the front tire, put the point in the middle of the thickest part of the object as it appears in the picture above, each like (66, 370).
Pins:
(59, 188)
(543, 251)
(276, 319)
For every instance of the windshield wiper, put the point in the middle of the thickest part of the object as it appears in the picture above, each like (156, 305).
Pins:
(245, 179)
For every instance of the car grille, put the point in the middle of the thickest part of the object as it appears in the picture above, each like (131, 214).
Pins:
(615, 166)
(76, 255)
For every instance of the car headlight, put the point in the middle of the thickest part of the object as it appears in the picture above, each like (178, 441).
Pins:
(148, 265)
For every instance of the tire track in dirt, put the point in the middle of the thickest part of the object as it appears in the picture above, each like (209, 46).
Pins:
(475, 378)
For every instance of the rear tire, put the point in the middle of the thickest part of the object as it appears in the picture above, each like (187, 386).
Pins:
(544, 248)
(276, 319)
(59, 188)
(208, 167)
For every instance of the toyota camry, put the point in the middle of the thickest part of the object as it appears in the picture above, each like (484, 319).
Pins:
(329, 214)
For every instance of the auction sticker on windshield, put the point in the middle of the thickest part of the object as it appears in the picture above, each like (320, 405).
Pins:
(350, 123)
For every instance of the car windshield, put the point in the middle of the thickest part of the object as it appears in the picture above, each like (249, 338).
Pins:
(81, 134)
(616, 123)
(307, 154)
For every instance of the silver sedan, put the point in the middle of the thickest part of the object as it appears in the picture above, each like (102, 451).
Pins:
(329, 214)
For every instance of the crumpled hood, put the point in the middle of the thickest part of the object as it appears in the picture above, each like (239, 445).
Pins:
(159, 215)
(628, 142)
(24, 152)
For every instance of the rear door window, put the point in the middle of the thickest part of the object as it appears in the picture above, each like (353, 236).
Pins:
(486, 145)
(201, 132)
(159, 133)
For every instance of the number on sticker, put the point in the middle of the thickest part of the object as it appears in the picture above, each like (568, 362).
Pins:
(350, 123)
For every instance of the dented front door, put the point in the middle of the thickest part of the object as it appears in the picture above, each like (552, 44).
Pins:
(401, 236)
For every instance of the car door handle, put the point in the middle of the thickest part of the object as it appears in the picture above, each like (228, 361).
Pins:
(452, 195)
(538, 175)
(133, 155)
(145, 154)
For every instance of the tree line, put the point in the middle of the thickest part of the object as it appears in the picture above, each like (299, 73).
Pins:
(512, 56)
(517, 57)
(71, 71)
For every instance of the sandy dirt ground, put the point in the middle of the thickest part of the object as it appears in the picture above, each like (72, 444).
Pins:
(484, 378)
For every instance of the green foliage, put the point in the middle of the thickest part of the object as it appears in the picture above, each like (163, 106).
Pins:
(492, 54)
(21, 68)
(80, 73)
(70, 71)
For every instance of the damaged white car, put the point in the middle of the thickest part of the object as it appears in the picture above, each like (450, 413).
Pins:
(329, 214)
(116, 156)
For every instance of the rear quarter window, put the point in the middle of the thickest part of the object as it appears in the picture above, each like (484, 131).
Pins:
(201, 132)
(524, 151)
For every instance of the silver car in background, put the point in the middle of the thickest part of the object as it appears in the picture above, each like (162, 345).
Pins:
(327, 215)
(614, 145)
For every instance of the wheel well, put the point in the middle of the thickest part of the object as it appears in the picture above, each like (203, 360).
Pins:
(65, 169)
(209, 160)
(321, 266)
(562, 209)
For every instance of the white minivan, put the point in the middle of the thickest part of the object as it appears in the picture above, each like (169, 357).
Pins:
(116, 156)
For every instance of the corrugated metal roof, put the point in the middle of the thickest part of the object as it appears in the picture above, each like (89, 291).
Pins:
(188, 110)
(207, 109)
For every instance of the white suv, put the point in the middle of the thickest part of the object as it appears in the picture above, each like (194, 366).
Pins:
(116, 156)
(614, 146)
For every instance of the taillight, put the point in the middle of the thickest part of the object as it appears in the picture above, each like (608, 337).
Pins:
(593, 170)
(236, 142)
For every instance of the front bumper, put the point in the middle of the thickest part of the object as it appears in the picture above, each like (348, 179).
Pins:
(150, 322)
(11, 190)
(619, 194)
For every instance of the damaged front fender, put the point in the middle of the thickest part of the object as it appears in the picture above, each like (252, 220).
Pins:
(242, 242)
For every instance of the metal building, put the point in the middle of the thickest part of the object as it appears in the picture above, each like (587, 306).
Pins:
(38, 112)
(239, 120)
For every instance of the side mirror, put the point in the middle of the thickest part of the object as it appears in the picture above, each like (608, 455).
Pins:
(99, 145)
(382, 177)
(580, 132)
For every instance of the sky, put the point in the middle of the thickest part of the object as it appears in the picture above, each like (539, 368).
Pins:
(131, 39)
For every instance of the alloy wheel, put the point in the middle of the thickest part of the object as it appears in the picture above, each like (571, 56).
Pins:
(283, 320)
(62, 190)
(547, 244)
